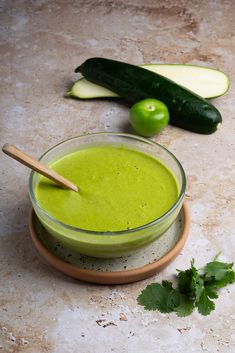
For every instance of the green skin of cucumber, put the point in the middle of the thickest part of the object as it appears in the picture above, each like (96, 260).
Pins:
(187, 110)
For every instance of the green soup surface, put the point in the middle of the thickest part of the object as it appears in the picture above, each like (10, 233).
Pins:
(120, 189)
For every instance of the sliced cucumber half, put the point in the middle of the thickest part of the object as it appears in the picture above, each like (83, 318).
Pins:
(204, 81)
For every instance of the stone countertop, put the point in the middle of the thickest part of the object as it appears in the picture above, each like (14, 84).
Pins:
(42, 42)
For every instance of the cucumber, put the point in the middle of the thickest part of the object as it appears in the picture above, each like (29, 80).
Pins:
(204, 81)
(85, 89)
(187, 110)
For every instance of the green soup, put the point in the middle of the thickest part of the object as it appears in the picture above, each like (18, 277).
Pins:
(120, 189)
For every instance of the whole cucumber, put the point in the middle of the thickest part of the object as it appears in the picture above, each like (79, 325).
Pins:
(187, 110)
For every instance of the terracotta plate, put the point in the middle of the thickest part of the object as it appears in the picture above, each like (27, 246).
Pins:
(140, 265)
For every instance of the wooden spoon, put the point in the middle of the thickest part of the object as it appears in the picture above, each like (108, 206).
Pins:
(25, 159)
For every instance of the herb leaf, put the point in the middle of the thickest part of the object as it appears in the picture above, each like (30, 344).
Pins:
(190, 282)
(210, 292)
(217, 269)
(185, 307)
(195, 289)
(204, 304)
(161, 297)
(220, 274)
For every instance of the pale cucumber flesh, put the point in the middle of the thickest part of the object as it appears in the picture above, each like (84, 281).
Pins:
(206, 82)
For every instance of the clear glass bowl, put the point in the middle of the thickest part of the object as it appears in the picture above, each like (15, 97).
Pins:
(109, 244)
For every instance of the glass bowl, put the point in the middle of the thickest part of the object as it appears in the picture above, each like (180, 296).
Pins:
(118, 243)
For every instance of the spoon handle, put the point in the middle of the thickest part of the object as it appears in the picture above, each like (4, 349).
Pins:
(25, 159)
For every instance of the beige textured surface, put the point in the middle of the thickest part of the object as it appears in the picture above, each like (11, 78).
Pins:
(42, 42)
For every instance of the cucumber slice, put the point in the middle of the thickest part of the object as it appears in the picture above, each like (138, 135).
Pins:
(85, 89)
(206, 82)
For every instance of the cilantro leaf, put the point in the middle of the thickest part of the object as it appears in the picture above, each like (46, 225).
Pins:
(185, 281)
(217, 269)
(161, 297)
(205, 305)
(194, 289)
(210, 292)
(166, 299)
(167, 284)
(185, 307)
(219, 274)
(229, 278)
(190, 282)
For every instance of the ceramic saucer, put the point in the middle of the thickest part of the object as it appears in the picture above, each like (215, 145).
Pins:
(137, 266)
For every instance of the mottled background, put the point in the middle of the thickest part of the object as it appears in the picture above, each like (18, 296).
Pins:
(41, 44)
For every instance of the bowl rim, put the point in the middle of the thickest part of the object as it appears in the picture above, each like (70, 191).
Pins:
(109, 233)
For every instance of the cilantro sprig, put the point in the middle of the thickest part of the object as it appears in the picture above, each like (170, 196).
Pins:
(195, 289)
